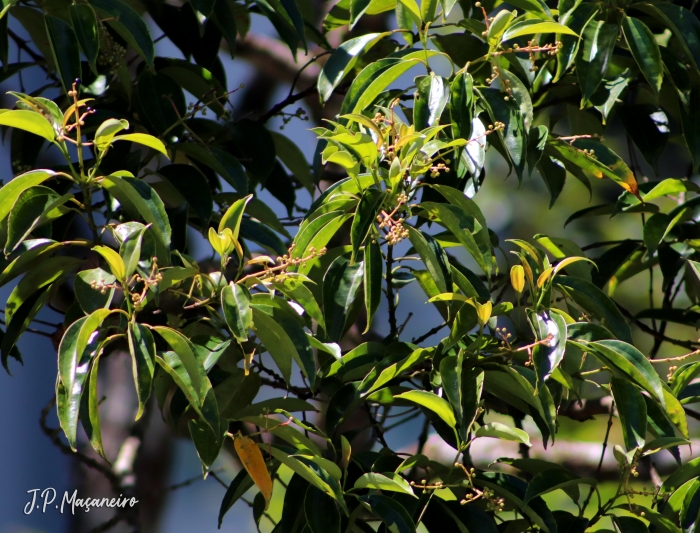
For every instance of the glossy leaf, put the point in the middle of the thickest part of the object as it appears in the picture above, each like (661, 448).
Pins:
(391, 512)
(364, 219)
(553, 479)
(64, 46)
(372, 282)
(341, 286)
(632, 410)
(502, 431)
(431, 402)
(644, 50)
(86, 29)
(342, 61)
(235, 300)
(142, 348)
(547, 355)
(33, 123)
(598, 41)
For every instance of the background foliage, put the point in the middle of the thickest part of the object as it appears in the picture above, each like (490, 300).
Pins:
(145, 158)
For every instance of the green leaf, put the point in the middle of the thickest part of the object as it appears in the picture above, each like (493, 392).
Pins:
(499, 24)
(373, 266)
(196, 80)
(187, 366)
(140, 200)
(128, 24)
(130, 251)
(598, 42)
(235, 300)
(533, 26)
(553, 479)
(432, 94)
(376, 77)
(392, 513)
(691, 126)
(390, 482)
(629, 363)
(321, 513)
(604, 163)
(32, 122)
(91, 298)
(34, 208)
(663, 443)
(89, 410)
(142, 348)
(65, 50)
(593, 300)
(284, 339)
(206, 441)
(364, 219)
(683, 24)
(296, 290)
(342, 61)
(501, 431)
(19, 323)
(86, 28)
(645, 50)
(234, 215)
(144, 139)
(632, 410)
(341, 286)
(294, 159)
(235, 491)
(75, 353)
(547, 355)
(40, 276)
(114, 260)
(107, 130)
(427, 10)
(513, 136)
(630, 524)
(434, 257)
(648, 126)
(193, 186)
(461, 106)
(432, 402)
(314, 475)
(225, 19)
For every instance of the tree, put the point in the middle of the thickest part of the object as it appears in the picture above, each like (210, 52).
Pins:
(535, 334)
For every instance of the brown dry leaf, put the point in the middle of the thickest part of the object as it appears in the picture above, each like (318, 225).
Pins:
(252, 459)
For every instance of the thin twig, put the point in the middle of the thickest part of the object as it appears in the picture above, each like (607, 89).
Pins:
(375, 425)
(433, 331)
(287, 101)
(53, 434)
(656, 334)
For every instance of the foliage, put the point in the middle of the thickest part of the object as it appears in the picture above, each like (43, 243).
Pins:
(527, 335)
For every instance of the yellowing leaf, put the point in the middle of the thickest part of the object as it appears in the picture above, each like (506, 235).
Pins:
(146, 140)
(252, 459)
(114, 260)
(28, 121)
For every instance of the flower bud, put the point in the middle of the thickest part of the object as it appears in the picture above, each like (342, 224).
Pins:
(517, 278)
(483, 312)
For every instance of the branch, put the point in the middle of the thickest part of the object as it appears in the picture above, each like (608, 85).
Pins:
(657, 335)
(287, 101)
(430, 333)
(53, 434)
